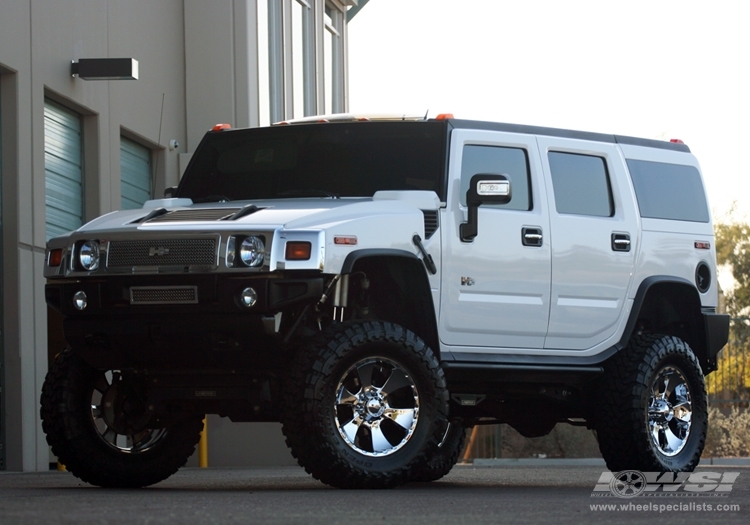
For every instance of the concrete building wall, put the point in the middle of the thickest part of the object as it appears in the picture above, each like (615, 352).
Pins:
(198, 65)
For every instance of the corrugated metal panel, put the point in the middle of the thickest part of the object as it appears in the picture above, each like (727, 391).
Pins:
(63, 166)
(135, 174)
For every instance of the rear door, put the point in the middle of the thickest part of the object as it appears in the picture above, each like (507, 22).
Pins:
(495, 289)
(594, 241)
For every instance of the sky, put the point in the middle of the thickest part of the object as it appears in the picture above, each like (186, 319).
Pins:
(653, 69)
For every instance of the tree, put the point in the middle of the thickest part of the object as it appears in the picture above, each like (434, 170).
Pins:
(732, 378)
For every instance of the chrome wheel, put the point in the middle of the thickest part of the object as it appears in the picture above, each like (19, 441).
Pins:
(376, 407)
(119, 415)
(670, 411)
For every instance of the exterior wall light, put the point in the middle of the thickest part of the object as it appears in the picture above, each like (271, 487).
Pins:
(105, 68)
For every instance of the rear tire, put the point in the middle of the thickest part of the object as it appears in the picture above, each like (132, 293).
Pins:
(84, 416)
(652, 412)
(364, 404)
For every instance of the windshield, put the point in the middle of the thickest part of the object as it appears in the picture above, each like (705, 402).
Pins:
(352, 159)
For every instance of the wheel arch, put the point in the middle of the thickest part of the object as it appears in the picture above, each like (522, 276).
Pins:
(408, 299)
(672, 306)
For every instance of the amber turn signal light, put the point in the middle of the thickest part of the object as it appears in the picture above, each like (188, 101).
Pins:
(298, 251)
(54, 258)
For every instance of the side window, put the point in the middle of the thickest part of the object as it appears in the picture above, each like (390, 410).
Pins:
(668, 191)
(511, 162)
(581, 184)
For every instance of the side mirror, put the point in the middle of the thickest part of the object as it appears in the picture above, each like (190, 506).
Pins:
(170, 193)
(484, 188)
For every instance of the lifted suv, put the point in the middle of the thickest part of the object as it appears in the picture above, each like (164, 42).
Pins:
(380, 286)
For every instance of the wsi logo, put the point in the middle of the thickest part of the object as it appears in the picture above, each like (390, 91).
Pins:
(632, 483)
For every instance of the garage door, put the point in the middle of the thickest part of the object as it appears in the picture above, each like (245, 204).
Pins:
(135, 174)
(63, 166)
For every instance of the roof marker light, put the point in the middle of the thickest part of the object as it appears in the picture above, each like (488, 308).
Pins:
(221, 127)
(444, 116)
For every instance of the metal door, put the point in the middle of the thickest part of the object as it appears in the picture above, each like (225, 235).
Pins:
(135, 174)
(63, 167)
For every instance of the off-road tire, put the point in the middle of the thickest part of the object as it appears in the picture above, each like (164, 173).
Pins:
(625, 393)
(446, 457)
(310, 421)
(67, 421)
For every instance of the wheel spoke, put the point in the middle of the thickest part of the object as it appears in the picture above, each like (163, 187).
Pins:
(364, 373)
(101, 384)
(672, 442)
(666, 391)
(379, 441)
(351, 428)
(110, 436)
(345, 397)
(403, 417)
(397, 380)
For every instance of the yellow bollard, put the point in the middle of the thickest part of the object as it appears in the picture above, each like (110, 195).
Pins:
(470, 446)
(203, 446)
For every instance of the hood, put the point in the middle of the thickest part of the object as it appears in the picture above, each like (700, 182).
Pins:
(182, 214)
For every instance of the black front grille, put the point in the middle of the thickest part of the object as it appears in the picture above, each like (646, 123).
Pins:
(430, 222)
(164, 295)
(165, 252)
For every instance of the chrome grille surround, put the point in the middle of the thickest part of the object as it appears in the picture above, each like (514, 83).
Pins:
(164, 295)
(163, 252)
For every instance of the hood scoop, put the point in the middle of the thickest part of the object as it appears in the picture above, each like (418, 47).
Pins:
(205, 214)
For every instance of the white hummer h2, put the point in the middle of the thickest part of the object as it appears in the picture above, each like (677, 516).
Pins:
(378, 286)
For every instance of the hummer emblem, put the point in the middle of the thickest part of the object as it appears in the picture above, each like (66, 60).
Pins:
(157, 251)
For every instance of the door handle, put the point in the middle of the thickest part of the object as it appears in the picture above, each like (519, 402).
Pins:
(532, 236)
(620, 242)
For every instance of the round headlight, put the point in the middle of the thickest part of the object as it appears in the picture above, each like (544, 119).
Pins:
(88, 255)
(251, 251)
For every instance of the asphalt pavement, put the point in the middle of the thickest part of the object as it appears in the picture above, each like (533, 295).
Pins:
(500, 493)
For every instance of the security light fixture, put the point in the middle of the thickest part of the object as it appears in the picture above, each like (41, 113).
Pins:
(105, 68)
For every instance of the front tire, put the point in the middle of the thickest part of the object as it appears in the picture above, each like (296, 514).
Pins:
(446, 457)
(653, 411)
(91, 419)
(365, 414)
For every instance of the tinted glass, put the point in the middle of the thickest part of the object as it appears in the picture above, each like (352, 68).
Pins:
(581, 184)
(511, 162)
(317, 160)
(668, 191)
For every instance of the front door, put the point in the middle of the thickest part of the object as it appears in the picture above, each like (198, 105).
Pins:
(495, 289)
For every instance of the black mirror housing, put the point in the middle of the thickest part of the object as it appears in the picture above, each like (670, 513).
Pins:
(484, 188)
(170, 192)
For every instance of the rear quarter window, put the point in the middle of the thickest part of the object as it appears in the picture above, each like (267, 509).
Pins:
(669, 191)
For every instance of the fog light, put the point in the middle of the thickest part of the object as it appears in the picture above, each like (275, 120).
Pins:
(248, 297)
(80, 301)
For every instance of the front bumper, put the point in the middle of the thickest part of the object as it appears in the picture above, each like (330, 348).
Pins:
(215, 331)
